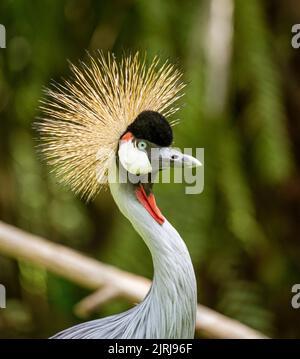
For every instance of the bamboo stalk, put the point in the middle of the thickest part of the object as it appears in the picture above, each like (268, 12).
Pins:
(91, 303)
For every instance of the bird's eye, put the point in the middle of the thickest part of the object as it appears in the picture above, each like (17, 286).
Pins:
(142, 145)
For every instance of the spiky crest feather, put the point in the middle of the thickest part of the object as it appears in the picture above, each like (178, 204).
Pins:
(83, 118)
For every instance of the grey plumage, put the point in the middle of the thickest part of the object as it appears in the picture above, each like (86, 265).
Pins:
(169, 309)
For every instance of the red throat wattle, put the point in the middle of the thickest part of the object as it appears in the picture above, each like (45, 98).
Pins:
(149, 204)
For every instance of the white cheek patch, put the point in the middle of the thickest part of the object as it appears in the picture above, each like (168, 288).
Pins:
(134, 160)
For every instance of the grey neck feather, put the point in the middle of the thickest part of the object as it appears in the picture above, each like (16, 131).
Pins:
(169, 309)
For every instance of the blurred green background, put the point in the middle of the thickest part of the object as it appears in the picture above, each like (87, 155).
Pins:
(242, 105)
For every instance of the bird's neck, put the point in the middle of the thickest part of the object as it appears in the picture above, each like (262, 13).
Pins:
(171, 302)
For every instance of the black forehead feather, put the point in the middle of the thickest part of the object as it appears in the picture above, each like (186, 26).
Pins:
(153, 127)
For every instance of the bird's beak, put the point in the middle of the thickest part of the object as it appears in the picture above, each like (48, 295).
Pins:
(171, 157)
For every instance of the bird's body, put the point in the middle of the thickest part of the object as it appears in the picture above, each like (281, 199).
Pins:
(169, 309)
(110, 127)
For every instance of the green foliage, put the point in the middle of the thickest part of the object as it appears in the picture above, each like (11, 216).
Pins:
(258, 75)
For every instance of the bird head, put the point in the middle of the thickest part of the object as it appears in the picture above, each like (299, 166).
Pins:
(145, 147)
(111, 110)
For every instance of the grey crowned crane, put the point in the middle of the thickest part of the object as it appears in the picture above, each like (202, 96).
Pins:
(99, 129)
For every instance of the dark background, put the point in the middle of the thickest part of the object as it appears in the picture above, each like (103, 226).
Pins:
(242, 105)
